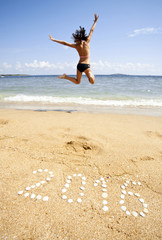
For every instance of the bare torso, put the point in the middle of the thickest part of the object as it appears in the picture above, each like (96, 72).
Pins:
(83, 50)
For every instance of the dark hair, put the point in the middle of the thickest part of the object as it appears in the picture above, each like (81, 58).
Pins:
(80, 34)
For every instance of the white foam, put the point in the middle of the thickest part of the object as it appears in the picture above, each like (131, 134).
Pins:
(86, 101)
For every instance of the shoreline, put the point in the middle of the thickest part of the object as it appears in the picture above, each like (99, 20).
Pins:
(143, 111)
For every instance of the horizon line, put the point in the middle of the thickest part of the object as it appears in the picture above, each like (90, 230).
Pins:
(119, 74)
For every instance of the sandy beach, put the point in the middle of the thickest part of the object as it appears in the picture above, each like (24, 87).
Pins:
(96, 160)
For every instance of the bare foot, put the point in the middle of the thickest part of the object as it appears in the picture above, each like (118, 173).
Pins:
(62, 76)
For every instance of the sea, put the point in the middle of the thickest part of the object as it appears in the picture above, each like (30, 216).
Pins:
(116, 93)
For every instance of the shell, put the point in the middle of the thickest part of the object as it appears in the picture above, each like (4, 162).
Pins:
(32, 196)
(70, 200)
(68, 181)
(122, 196)
(83, 182)
(38, 197)
(81, 194)
(83, 178)
(69, 177)
(105, 208)
(95, 184)
(79, 200)
(102, 179)
(142, 214)
(37, 184)
(130, 193)
(139, 183)
(64, 197)
(27, 188)
(33, 186)
(82, 188)
(97, 181)
(122, 187)
(50, 173)
(79, 175)
(74, 175)
(40, 170)
(124, 192)
(145, 210)
(123, 208)
(104, 190)
(121, 201)
(137, 194)
(66, 185)
(141, 200)
(51, 176)
(104, 202)
(64, 190)
(48, 179)
(34, 172)
(26, 194)
(45, 199)
(20, 192)
(43, 182)
(104, 195)
(128, 213)
(134, 183)
(45, 170)
(145, 205)
(135, 214)
(104, 185)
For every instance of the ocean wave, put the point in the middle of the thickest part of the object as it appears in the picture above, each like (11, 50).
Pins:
(84, 101)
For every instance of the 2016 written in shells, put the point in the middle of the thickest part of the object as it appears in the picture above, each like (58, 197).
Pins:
(102, 182)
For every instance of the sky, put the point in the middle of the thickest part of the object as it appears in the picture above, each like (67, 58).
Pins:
(127, 38)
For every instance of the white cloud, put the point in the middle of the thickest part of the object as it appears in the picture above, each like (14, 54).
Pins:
(145, 31)
(105, 67)
(35, 64)
(6, 65)
(99, 67)
(45, 65)
(18, 66)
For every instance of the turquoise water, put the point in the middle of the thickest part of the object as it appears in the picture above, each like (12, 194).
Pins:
(109, 91)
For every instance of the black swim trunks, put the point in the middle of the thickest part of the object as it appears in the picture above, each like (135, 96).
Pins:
(82, 66)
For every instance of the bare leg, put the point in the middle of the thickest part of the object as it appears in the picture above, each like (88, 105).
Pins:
(90, 76)
(72, 79)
